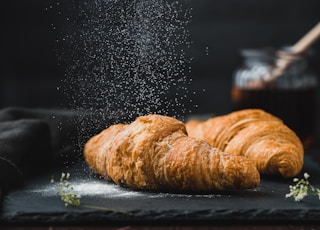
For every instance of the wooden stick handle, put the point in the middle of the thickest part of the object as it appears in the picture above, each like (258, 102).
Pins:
(307, 40)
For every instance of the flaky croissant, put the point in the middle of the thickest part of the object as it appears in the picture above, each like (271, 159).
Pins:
(155, 153)
(255, 134)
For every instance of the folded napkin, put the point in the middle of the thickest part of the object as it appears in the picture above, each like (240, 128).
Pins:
(32, 140)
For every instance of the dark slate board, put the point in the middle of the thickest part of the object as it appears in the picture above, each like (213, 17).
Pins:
(37, 202)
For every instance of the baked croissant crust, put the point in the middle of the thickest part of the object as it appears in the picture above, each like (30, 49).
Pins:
(255, 134)
(155, 153)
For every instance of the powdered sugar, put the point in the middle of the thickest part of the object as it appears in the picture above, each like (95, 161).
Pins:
(127, 58)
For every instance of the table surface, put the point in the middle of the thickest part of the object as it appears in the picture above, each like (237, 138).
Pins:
(38, 205)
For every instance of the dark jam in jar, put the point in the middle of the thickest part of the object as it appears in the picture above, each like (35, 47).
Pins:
(296, 107)
(291, 95)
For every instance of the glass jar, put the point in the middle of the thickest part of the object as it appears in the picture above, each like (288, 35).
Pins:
(281, 84)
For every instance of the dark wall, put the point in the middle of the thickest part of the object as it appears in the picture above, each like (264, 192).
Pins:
(30, 73)
(29, 68)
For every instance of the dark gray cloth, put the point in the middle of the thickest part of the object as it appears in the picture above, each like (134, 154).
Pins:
(32, 140)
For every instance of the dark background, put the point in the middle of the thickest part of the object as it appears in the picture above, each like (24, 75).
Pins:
(30, 73)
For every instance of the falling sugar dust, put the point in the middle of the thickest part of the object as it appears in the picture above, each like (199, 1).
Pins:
(126, 59)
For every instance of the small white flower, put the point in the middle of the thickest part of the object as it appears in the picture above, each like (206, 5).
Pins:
(299, 197)
(63, 175)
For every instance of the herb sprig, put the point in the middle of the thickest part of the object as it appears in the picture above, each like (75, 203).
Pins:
(302, 188)
(67, 195)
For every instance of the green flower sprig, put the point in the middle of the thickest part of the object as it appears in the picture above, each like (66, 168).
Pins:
(70, 199)
(302, 188)
(66, 191)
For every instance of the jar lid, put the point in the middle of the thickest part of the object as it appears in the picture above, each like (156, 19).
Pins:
(265, 54)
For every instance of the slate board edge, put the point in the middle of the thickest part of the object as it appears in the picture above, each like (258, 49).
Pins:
(171, 216)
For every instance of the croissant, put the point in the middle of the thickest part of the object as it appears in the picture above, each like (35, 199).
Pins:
(255, 134)
(155, 153)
